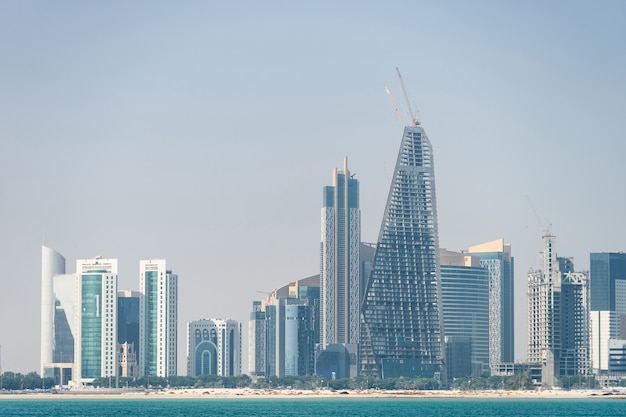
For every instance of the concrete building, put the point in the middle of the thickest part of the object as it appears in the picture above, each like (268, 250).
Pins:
(401, 326)
(558, 316)
(214, 347)
(159, 319)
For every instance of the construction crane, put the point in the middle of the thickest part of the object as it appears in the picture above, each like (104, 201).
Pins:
(395, 106)
(415, 119)
(546, 230)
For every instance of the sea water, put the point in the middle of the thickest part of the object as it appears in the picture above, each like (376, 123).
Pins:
(322, 407)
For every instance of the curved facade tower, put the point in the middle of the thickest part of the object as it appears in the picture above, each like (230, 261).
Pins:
(52, 263)
(401, 331)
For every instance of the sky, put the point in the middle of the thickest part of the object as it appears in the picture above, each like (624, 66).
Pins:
(203, 132)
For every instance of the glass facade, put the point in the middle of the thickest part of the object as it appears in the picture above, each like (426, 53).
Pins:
(605, 270)
(401, 327)
(63, 348)
(91, 325)
(465, 300)
(151, 322)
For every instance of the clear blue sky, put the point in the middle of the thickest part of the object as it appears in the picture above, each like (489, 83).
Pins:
(203, 132)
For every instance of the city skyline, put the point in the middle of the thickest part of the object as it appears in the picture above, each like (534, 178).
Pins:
(146, 109)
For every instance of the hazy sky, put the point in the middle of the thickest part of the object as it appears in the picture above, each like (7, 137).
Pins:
(203, 132)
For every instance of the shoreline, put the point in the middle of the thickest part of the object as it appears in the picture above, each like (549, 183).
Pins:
(233, 393)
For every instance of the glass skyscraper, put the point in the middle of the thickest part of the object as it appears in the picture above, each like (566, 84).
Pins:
(159, 319)
(340, 293)
(401, 327)
(95, 344)
(465, 306)
(128, 305)
(608, 281)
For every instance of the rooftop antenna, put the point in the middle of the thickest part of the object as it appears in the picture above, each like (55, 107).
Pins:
(415, 115)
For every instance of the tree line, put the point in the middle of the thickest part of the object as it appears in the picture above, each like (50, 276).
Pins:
(11, 381)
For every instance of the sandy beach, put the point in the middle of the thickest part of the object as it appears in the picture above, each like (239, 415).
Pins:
(318, 394)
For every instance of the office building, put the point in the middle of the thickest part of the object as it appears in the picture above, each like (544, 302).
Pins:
(214, 347)
(496, 257)
(617, 357)
(257, 354)
(57, 317)
(401, 332)
(284, 329)
(95, 341)
(558, 316)
(340, 261)
(159, 319)
(607, 279)
(465, 307)
(128, 305)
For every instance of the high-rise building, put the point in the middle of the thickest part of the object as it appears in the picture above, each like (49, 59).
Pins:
(128, 305)
(401, 332)
(257, 354)
(159, 319)
(284, 329)
(95, 339)
(607, 279)
(57, 317)
(214, 347)
(607, 287)
(558, 316)
(496, 257)
(340, 293)
(465, 306)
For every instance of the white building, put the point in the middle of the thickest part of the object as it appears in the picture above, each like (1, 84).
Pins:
(158, 319)
(214, 347)
(57, 317)
(604, 326)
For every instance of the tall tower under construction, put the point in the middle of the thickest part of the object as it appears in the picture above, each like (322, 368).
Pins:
(401, 310)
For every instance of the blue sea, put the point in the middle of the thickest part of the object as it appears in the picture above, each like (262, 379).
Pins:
(336, 407)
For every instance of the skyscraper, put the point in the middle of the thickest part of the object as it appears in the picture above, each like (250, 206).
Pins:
(95, 341)
(607, 280)
(340, 262)
(558, 316)
(607, 286)
(496, 257)
(57, 317)
(159, 319)
(128, 305)
(214, 347)
(465, 306)
(401, 311)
